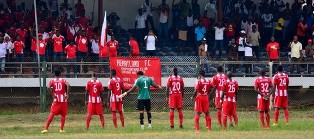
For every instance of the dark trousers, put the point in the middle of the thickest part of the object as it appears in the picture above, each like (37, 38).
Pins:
(140, 34)
(278, 34)
(151, 22)
(292, 66)
(151, 52)
(240, 55)
(19, 59)
(248, 67)
(71, 65)
(256, 51)
(82, 56)
(106, 68)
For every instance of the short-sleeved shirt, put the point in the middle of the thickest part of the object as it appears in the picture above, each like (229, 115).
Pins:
(140, 21)
(295, 49)
(18, 47)
(230, 86)
(151, 42)
(255, 37)
(218, 81)
(273, 50)
(58, 86)
(281, 21)
(263, 84)
(42, 47)
(113, 48)
(81, 43)
(143, 84)
(203, 86)
(70, 51)
(94, 88)
(219, 33)
(176, 84)
(116, 86)
(134, 47)
(57, 43)
(281, 80)
(200, 33)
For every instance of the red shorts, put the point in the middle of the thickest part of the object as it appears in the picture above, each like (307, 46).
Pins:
(94, 108)
(116, 106)
(175, 101)
(59, 108)
(217, 102)
(281, 101)
(201, 104)
(263, 105)
(229, 108)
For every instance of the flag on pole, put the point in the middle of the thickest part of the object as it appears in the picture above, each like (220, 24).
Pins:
(103, 39)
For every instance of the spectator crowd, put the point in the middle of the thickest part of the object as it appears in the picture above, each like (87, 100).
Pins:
(245, 29)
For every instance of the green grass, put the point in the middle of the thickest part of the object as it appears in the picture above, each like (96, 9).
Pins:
(30, 125)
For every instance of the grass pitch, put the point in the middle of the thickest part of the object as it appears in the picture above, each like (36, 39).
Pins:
(30, 126)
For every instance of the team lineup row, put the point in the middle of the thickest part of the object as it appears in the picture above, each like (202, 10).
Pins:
(222, 86)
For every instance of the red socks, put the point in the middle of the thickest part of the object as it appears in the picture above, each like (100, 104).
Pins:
(88, 118)
(171, 116)
(50, 118)
(196, 121)
(102, 120)
(208, 122)
(114, 119)
(235, 119)
(219, 116)
(267, 120)
(224, 121)
(121, 118)
(276, 114)
(261, 118)
(287, 115)
(180, 116)
(62, 122)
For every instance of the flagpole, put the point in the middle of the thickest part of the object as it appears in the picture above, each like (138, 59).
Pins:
(37, 47)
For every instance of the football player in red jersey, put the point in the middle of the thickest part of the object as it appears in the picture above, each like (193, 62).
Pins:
(229, 99)
(175, 86)
(115, 87)
(93, 100)
(262, 86)
(218, 81)
(280, 87)
(59, 89)
(202, 89)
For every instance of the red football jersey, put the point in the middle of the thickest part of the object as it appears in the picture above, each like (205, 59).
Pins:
(116, 86)
(70, 51)
(19, 16)
(203, 86)
(94, 88)
(42, 47)
(18, 47)
(57, 43)
(81, 43)
(218, 82)
(70, 35)
(273, 50)
(281, 80)
(176, 84)
(58, 86)
(263, 84)
(22, 33)
(134, 47)
(83, 20)
(113, 48)
(230, 87)
(33, 45)
(103, 51)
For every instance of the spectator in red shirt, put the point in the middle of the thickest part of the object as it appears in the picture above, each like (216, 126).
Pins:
(19, 46)
(82, 51)
(83, 20)
(205, 22)
(301, 31)
(79, 8)
(273, 50)
(89, 29)
(134, 52)
(103, 57)
(22, 32)
(57, 40)
(42, 47)
(70, 51)
(113, 47)
(71, 32)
